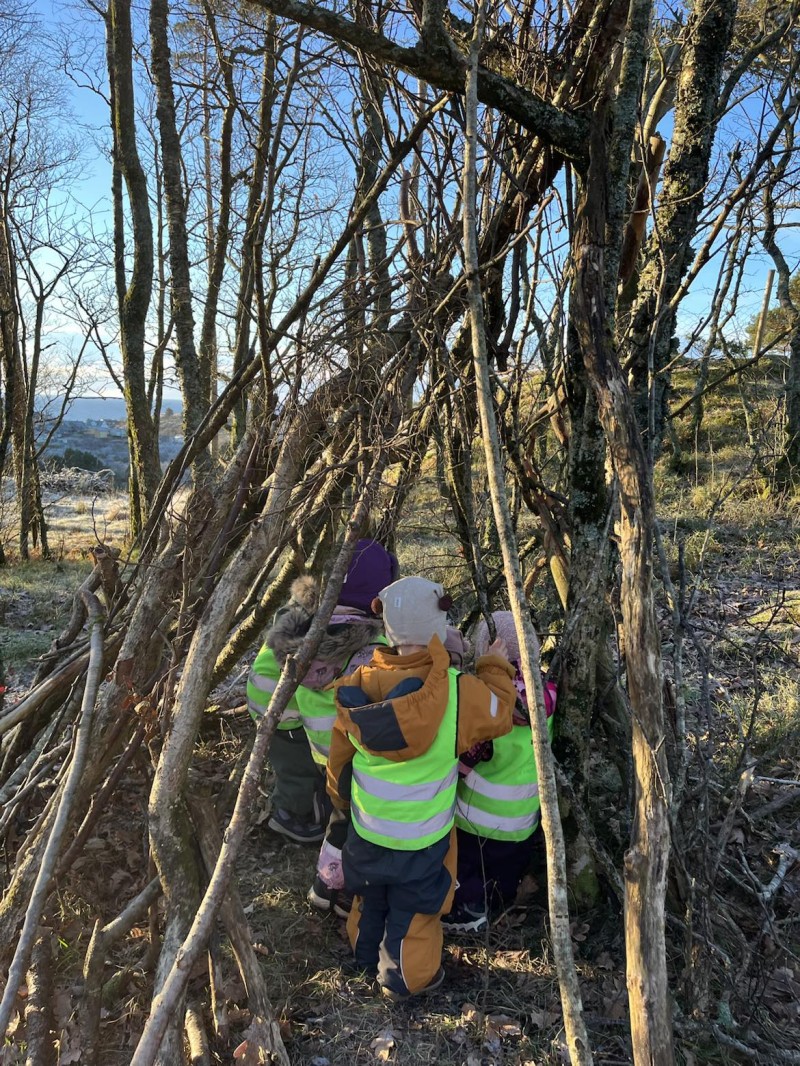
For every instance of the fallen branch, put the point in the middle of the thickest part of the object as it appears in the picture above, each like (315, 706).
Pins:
(788, 857)
(39, 1034)
(196, 1036)
(41, 888)
(756, 1049)
(773, 806)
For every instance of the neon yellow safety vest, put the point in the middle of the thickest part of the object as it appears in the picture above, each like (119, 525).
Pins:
(499, 799)
(261, 683)
(408, 805)
(318, 708)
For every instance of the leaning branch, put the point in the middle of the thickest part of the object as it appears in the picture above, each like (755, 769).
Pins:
(165, 1002)
(580, 1052)
(555, 127)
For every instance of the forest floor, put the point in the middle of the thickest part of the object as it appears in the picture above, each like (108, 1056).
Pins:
(500, 1002)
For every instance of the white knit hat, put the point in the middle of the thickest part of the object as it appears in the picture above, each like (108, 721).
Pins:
(414, 609)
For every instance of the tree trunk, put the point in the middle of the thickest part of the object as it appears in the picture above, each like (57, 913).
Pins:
(708, 35)
(589, 519)
(646, 861)
(194, 375)
(133, 298)
(15, 409)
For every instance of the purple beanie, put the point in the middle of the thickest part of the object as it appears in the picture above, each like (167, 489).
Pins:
(371, 569)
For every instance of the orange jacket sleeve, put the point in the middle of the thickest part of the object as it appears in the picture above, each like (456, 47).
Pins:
(485, 702)
(339, 771)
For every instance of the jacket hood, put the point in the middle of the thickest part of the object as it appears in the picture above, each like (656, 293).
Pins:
(401, 727)
(341, 639)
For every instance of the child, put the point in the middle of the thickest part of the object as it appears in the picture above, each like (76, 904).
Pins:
(402, 720)
(497, 809)
(328, 891)
(300, 745)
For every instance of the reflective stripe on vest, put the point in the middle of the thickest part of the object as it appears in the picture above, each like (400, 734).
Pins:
(409, 805)
(499, 799)
(318, 714)
(392, 790)
(318, 710)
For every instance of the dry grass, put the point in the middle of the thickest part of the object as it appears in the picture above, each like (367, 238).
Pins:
(74, 522)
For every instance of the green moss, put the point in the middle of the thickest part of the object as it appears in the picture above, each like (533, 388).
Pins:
(583, 883)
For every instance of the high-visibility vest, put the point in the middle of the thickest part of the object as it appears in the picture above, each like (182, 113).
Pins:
(314, 709)
(318, 706)
(408, 805)
(499, 798)
(261, 683)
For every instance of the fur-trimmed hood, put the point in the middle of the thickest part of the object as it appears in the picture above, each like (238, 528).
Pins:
(341, 640)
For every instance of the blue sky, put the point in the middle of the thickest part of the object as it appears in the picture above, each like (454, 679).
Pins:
(93, 185)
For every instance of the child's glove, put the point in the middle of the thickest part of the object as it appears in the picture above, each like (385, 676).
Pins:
(329, 866)
(480, 752)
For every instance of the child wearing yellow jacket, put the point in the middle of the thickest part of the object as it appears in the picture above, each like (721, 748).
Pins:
(402, 722)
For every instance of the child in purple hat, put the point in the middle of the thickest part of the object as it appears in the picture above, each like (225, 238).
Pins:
(299, 748)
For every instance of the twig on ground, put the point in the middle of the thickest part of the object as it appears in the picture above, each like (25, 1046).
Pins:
(196, 1035)
(102, 940)
(745, 780)
(774, 806)
(751, 1046)
(788, 857)
(41, 888)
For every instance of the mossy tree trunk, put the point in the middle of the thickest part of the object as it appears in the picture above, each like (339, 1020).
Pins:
(708, 36)
(646, 861)
(194, 374)
(133, 296)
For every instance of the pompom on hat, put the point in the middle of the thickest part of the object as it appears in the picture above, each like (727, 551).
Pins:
(371, 569)
(414, 610)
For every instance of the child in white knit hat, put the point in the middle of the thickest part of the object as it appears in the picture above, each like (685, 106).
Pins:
(402, 721)
(497, 803)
